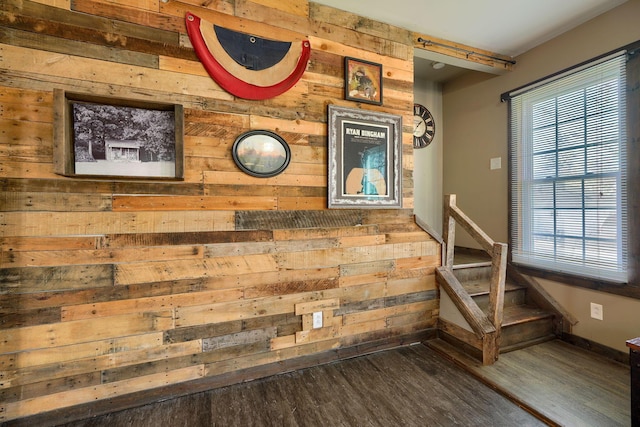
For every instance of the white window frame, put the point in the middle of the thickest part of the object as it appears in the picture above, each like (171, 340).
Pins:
(528, 219)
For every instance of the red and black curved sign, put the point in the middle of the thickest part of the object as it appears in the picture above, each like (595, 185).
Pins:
(244, 65)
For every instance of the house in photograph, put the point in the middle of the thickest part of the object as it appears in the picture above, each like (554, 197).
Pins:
(122, 151)
(498, 283)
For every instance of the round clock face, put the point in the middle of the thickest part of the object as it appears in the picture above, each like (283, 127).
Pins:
(424, 127)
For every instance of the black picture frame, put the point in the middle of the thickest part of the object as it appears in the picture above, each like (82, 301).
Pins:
(365, 159)
(261, 153)
(115, 138)
(362, 81)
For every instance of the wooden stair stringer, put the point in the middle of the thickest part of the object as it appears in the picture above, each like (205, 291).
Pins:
(537, 295)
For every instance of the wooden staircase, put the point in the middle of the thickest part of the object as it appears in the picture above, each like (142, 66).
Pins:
(487, 306)
(523, 322)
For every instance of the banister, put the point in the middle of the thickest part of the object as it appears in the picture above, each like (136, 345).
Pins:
(498, 285)
(474, 316)
(487, 328)
(472, 228)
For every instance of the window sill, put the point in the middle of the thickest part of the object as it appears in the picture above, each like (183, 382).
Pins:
(629, 290)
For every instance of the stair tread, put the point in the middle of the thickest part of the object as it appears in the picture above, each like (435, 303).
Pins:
(471, 265)
(517, 314)
(481, 287)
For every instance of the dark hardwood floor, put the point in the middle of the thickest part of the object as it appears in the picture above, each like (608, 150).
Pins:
(407, 386)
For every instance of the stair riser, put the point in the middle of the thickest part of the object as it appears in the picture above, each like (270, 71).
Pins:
(472, 274)
(511, 298)
(528, 331)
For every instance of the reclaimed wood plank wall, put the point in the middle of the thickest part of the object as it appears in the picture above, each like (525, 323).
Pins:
(111, 287)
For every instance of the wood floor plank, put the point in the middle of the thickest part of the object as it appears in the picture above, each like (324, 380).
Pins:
(564, 383)
(407, 386)
(168, 413)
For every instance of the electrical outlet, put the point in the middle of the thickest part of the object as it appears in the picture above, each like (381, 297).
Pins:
(596, 311)
(317, 319)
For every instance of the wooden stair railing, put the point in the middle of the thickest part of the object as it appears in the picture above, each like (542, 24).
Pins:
(485, 327)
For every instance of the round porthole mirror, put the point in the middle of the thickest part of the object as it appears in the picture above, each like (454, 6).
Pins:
(261, 153)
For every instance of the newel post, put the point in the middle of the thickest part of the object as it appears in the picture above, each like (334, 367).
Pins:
(497, 286)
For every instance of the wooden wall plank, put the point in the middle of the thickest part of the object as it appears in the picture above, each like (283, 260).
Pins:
(246, 25)
(34, 390)
(295, 7)
(115, 308)
(11, 130)
(301, 204)
(184, 238)
(60, 334)
(242, 248)
(27, 60)
(73, 47)
(152, 5)
(125, 30)
(59, 185)
(223, 6)
(62, 4)
(322, 258)
(241, 362)
(124, 359)
(324, 233)
(38, 279)
(26, 105)
(360, 24)
(28, 154)
(75, 397)
(247, 337)
(35, 201)
(125, 13)
(290, 282)
(15, 317)
(78, 223)
(202, 314)
(387, 312)
(191, 203)
(240, 178)
(292, 220)
(192, 268)
(93, 349)
(320, 305)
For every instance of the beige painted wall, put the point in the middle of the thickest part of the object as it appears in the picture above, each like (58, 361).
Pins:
(475, 124)
(427, 168)
(620, 315)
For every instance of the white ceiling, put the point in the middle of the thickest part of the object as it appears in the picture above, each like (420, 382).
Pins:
(507, 27)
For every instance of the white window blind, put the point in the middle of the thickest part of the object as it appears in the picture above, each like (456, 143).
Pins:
(568, 176)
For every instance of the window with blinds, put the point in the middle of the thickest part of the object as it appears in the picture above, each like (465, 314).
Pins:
(568, 172)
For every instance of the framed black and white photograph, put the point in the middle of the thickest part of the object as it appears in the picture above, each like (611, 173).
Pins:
(261, 153)
(114, 138)
(365, 159)
(363, 81)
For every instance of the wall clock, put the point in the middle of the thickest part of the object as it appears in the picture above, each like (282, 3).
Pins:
(424, 127)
